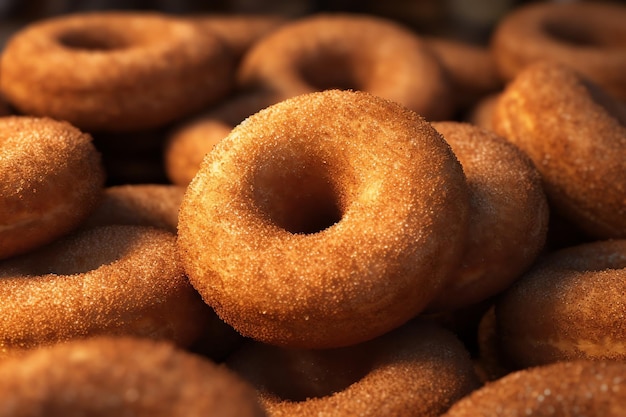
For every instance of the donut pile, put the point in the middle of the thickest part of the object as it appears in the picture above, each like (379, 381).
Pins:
(321, 215)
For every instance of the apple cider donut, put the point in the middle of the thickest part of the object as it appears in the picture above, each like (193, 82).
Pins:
(51, 178)
(319, 221)
(508, 215)
(569, 306)
(589, 37)
(349, 51)
(581, 388)
(114, 280)
(115, 71)
(576, 136)
(419, 369)
(121, 376)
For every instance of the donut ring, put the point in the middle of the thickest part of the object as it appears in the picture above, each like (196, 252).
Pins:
(153, 205)
(508, 215)
(586, 36)
(51, 178)
(327, 51)
(575, 135)
(581, 388)
(106, 376)
(137, 70)
(298, 221)
(116, 280)
(569, 306)
(419, 369)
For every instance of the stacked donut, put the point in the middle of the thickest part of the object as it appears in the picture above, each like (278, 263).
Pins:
(415, 227)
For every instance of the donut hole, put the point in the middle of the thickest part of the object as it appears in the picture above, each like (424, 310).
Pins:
(298, 195)
(92, 40)
(330, 70)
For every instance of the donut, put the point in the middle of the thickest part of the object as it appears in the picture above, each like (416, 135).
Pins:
(121, 376)
(569, 306)
(576, 136)
(299, 220)
(187, 145)
(349, 51)
(419, 369)
(470, 68)
(154, 205)
(508, 215)
(115, 71)
(110, 280)
(589, 37)
(51, 178)
(581, 388)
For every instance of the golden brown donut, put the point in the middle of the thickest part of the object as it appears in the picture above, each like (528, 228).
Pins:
(591, 389)
(114, 280)
(569, 306)
(576, 136)
(508, 215)
(318, 222)
(589, 37)
(470, 67)
(107, 376)
(187, 145)
(349, 51)
(154, 205)
(115, 71)
(419, 369)
(51, 178)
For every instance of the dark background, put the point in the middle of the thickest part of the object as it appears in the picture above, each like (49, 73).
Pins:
(470, 20)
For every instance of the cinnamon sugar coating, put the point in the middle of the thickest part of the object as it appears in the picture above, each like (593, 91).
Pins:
(123, 376)
(419, 369)
(508, 215)
(576, 136)
(578, 388)
(115, 71)
(349, 51)
(589, 37)
(113, 280)
(569, 306)
(324, 220)
(51, 178)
